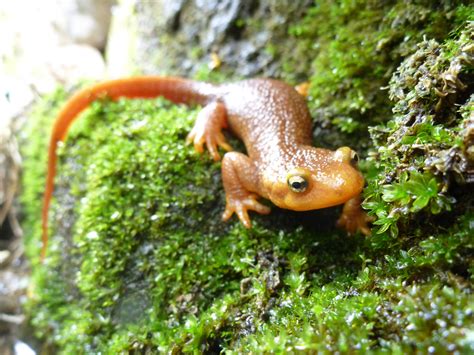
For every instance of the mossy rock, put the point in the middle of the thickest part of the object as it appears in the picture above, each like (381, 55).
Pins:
(140, 261)
(149, 247)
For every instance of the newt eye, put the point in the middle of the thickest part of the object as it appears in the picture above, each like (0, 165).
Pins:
(354, 158)
(297, 183)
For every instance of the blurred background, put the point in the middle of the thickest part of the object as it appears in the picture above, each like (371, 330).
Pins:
(43, 44)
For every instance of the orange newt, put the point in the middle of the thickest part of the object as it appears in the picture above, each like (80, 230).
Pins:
(274, 123)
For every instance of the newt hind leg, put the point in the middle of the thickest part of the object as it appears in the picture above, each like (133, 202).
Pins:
(208, 130)
(241, 188)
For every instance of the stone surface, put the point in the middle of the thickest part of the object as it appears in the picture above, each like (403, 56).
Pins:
(74, 62)
(84, 21)
(39, 49)
(240, 33)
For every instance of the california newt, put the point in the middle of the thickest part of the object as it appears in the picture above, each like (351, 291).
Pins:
(272, 120)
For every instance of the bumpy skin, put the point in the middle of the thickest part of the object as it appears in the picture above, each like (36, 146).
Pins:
(273, 121)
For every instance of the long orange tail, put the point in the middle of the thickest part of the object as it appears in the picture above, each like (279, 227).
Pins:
(174, 89)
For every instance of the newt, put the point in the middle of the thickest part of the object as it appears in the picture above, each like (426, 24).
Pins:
(272, 120)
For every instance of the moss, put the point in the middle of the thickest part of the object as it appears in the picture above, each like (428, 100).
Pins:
(35, 165)
(354, 47)
(420, 162)
(160, 263)
(391, 305)
(141, 263)
(167, 275)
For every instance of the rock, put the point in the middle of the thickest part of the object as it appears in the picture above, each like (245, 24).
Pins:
(84, 21)
(39, 51)
(72, 63)
(179, 37)
(121, 44)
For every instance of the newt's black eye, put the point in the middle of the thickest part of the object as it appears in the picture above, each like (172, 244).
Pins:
(354, 158)
(297, 183)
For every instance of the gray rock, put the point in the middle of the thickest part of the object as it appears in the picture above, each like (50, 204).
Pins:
(84, 21)
(179, 37)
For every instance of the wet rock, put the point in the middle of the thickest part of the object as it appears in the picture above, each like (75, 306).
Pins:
(179, 37)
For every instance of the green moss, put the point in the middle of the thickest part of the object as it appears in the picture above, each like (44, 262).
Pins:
(381, 308)
(149, 247)
(205, 73)
(151, 266)
(420, 163)
(34, 165)
(354, 47)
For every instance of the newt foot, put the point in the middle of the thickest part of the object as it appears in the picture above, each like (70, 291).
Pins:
(208, 130)
(240, 206)
(355, 224)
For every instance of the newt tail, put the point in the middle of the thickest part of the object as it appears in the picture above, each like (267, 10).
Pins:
(177, 90)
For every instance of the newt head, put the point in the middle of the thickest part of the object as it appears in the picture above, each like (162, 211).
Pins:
(315, 178)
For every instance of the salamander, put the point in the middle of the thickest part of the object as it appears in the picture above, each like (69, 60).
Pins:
(272, 120)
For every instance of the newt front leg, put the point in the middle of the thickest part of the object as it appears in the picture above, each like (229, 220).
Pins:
(240, 179)
(238, 173)
(208, 130)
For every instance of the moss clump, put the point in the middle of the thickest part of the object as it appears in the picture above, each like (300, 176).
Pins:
(150, 251)
(420, 160)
